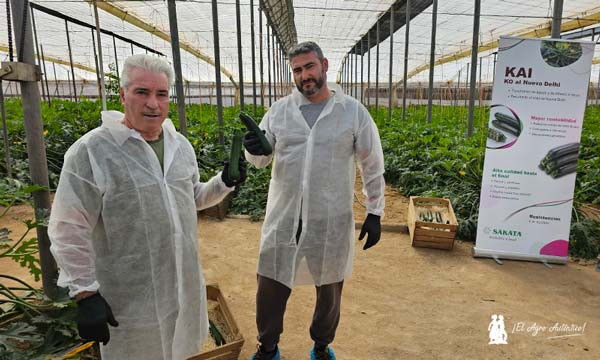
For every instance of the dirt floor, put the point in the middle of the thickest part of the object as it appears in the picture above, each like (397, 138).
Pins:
(410, 303)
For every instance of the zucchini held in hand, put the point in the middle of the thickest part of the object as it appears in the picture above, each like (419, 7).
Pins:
(253, 127)
(234, 156)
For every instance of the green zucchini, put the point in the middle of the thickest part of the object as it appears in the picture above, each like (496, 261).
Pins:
(564, 170)
(559, 151)
(506, 127)
(508, 120)
(253, 127)
(496, 135)
(561, 161)
(234, 156)
(215, 334)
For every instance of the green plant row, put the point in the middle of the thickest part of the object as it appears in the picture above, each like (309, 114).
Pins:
(434, 159)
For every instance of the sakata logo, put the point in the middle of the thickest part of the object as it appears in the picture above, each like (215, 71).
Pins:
(497, 334)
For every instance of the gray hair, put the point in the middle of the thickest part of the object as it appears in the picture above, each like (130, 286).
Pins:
(305, 48)
(148, 62)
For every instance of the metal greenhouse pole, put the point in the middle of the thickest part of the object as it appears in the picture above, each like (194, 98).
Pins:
(406, 43)
(355, 72)
(45, 74)
(96, 63)
(253, 55)
(269, 61)
(36, 149)
(362, 60)
(377, 73)
(474, 65)
(100, 61)
(431, 60)
(37, 49)
(5, 134)
(215, 19)
(172, 8)
(274, 53)
(350, 73)
(117, 56)
(390, 95)
(369, 70)
(71, 60)
(260, 55)
(557, 18)
(347, 72)
(238, 23)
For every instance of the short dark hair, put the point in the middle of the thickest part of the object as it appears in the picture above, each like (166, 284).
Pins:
(305, 48)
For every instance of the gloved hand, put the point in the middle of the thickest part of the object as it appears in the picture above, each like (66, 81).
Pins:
(93, 314)
(371, 227)
(225, 173)
(252, 143)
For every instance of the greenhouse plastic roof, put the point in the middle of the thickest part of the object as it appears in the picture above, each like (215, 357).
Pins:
(337, 25)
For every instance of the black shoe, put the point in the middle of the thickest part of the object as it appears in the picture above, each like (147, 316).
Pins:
(326, 354)
(261, 354)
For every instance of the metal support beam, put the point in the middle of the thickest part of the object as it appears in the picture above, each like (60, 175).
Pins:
(369, 71)
(96, 63)
(431, 61)
(172, 8)
(362, 60)
(71, 60)
(273, 53)
(253, 55)
(45, 75)
(557, 18)
(269, 61)
(260, 55)
(406, 43)
(390, 90)
(100, 61)
(377, 73)
(116, 58)
(7, 160)
(36, 150)
(215, 19)
(473, 65)
(238, 23)
(351, 73)
(37, 48)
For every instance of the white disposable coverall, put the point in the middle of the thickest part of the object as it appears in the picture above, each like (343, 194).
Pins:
(121, 226)
(313, 179)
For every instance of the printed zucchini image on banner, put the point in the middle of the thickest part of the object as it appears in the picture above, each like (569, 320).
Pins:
(534, 130)
(504, 127)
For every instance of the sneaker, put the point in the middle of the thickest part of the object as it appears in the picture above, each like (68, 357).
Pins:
(327, 354)
(260, 354)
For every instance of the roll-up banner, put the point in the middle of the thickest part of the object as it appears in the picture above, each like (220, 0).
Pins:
(538, 102)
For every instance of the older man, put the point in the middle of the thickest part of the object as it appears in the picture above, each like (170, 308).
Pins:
(318, 134)
(123, 225)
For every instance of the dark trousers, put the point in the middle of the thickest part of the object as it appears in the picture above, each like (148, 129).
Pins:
(271, 300)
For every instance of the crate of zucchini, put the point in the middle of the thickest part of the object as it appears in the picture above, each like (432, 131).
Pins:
(431, 222)
(225, 341)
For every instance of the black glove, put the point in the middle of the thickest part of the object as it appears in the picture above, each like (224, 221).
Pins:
(93, 314)
(252, 143)
(371, 227)
(225, 174)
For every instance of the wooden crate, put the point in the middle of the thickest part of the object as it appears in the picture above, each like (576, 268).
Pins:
(430, 234)
(231, 350)
(219, 211)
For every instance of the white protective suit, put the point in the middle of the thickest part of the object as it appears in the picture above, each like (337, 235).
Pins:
(313, 179)
(118, 225)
